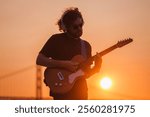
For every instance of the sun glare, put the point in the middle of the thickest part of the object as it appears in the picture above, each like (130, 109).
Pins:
(106, 83)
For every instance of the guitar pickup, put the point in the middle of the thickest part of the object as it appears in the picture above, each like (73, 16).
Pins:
(60, 76)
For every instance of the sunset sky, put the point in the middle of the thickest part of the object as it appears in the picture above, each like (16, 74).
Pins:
(25, 26)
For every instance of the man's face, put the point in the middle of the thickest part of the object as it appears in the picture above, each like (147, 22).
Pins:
(75, 30)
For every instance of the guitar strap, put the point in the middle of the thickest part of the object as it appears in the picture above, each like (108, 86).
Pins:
(83, 49)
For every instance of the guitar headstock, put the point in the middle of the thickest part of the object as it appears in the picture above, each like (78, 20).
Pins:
(124, 42)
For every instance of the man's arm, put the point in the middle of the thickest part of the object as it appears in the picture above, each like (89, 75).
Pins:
(97, 66)
(51, 63)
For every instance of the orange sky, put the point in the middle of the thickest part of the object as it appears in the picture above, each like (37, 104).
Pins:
(27, 24)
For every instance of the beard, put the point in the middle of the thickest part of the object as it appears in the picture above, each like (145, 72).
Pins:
(76, 34)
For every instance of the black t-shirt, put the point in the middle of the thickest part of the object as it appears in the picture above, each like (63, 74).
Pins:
(61, 47)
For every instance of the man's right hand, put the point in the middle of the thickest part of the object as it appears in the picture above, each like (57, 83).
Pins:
(51, 63)
(70, 65)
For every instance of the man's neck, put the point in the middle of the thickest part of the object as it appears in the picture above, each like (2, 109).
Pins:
(71, 37)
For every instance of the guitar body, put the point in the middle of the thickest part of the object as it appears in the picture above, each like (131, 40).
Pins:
(61, 80)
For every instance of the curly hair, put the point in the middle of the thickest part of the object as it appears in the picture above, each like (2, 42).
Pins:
(69, 15)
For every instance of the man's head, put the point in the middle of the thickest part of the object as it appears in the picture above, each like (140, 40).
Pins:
(71, 22)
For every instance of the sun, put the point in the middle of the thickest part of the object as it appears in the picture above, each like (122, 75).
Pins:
(106, 83)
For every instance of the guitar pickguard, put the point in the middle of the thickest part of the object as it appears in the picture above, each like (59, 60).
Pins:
(74, 75)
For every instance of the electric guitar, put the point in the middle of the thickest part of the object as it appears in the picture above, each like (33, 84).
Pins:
(61, 80)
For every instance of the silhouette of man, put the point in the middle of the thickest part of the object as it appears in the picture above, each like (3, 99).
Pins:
(61, 48)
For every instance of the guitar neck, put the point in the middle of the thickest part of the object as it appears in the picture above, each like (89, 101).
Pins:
(102, 53)
(89, 60)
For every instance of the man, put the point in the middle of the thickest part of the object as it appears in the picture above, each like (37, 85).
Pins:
(61, 48)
